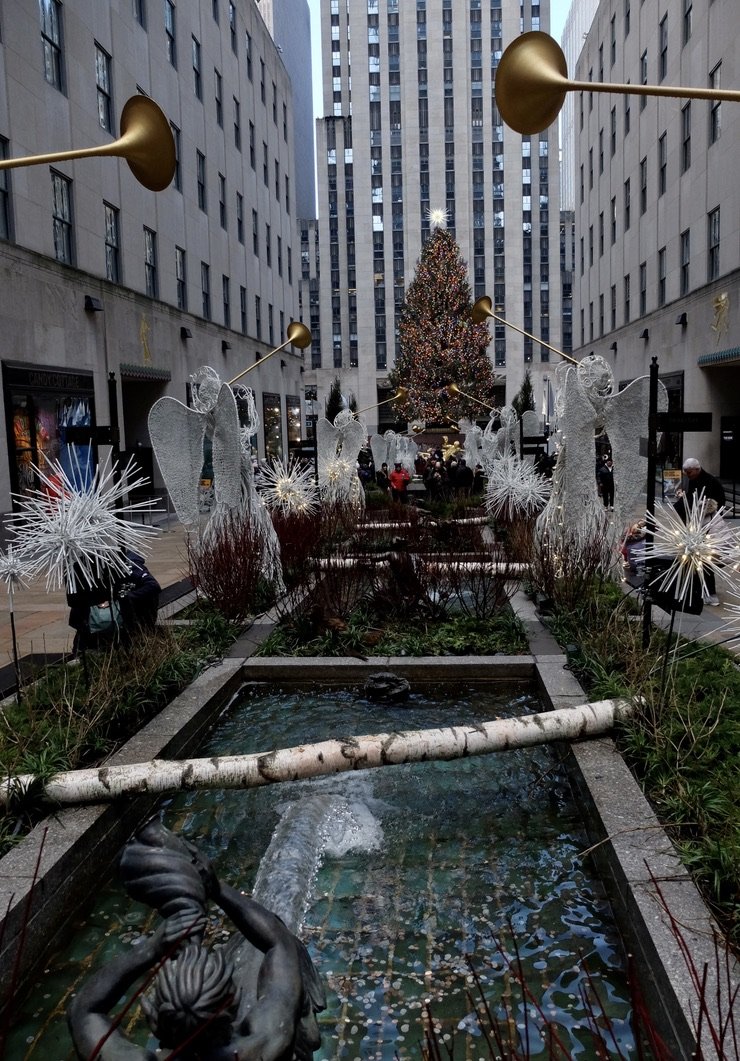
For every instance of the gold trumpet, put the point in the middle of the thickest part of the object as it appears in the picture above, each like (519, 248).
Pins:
(453, 389)
(482, 308)
(532, 80)
(298, 334)
(146, 142)
(401, 395)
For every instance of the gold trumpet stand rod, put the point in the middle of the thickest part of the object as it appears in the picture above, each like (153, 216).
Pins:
(401, 394)
(452, 388)
(298, 335)
(482, 309)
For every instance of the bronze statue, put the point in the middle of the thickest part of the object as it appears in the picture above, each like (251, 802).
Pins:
(254, 998)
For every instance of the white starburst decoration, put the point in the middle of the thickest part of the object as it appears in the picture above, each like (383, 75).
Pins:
(16, 567)
(80, 536)
(705, 542)
(437, 217)
(515, 489)
(288, 488)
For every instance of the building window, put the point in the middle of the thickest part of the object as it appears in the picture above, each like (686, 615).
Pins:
(613, 41)
(265, 165)
(150, 263)
(214, 8)
(255, 233)
(197, 86)
(590, 322)
(258, 316)
(663, 48)
(627, 299)
(713, 232)
(583, 189)
(285, 122)
(222, 200)
(262, 82)
(270, 325)
(643, 288)
(613, 307)
(287, 195)
(177, 179)
(5, 213)
(687, 11)
(626, 17)
(251, 145)
(51, 40)
(274, 104)
(613, 219)
(583, 258)
(248, 43)
(590, 245)
(140, 12)
(268, 245)
(218, 96)
(290, 265)
(200, 177)
(715, 105)
(181, 278)
(643, 185)
(61, 192)
(685, 261)
(232, 25)
(205, 289)
(169, 31)
(277, 180)
(243, 309)
(240, 217)
(226, 298)
(237, 124)
(643, 78)
(627, 204)
(661, 276)
(613, 132)
(662, 164)
(112, 244)
(279, 256)
(627, 113)
(103, 84)
(601, 233)
(685, 137)
(601, 151)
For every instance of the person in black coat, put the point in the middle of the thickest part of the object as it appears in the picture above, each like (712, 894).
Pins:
(136, 596)
(701, 484)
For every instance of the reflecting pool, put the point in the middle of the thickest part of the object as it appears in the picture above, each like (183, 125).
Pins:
(399, 877)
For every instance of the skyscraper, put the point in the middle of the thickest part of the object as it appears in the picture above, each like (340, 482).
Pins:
(410, 126)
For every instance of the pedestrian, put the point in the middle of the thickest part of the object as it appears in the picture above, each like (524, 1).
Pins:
(701, 485)
(399, 480)
(464, 483)
(606, 482)
(381, 478)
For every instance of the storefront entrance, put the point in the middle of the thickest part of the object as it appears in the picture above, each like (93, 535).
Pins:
(40, 405)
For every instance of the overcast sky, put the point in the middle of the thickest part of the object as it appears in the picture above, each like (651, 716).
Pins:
(558, 12)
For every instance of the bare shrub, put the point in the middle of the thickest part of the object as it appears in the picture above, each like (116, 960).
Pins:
(567, 565)
(299, 534)
(226, 565)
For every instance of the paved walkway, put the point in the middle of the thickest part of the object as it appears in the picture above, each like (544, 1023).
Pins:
(41, 617)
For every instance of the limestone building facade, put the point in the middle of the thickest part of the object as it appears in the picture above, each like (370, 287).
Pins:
(657, 213)
(111, 295)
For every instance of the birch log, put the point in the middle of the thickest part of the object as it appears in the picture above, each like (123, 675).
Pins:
(327, 757)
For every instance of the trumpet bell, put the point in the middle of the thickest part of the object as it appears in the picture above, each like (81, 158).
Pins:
(299, 335)
(531, 82)
(146, 142)
(482, 310)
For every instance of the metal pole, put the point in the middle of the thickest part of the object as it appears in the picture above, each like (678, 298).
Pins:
(652, 459)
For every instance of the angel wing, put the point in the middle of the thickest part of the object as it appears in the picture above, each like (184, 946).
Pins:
(626, 421)
(177, 435)
(227, 454)
(379, 450)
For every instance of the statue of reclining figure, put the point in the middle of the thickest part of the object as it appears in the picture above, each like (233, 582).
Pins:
(254, 998)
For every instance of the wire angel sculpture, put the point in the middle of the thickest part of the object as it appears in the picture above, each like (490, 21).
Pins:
(499, 441)
(586, 406)
(78, 535)
(178, 435)
(337, 448)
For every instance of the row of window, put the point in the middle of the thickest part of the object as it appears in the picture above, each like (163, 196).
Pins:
(713, 271)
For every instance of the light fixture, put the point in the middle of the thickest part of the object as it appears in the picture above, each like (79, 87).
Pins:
(614, 346)
(302, 369)
(185, 333)
(225, 346)
(298, 334)
(282, 363)
(93, 305)
(682, 319)
(645, 334)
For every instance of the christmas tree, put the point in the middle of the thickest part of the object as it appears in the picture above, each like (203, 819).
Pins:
(440, 343)
(524, 400)
(334, 400)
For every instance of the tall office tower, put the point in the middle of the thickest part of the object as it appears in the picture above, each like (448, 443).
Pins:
(410, 126)
(577, 25)
(656, 214)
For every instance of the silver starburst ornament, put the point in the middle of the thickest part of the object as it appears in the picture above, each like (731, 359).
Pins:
(515, 489)
(288, 488)
(705, 542)
(80, 536)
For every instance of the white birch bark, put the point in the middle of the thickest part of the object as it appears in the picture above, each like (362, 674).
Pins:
(327, 757)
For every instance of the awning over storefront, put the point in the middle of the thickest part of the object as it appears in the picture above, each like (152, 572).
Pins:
(720, 357)
(147, 372)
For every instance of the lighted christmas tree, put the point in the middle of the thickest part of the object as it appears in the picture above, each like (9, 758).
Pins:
(440, 343)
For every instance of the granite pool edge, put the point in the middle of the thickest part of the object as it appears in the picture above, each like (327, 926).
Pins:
(82, 844)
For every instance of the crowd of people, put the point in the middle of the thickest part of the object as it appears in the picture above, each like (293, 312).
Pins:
(444, 478)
